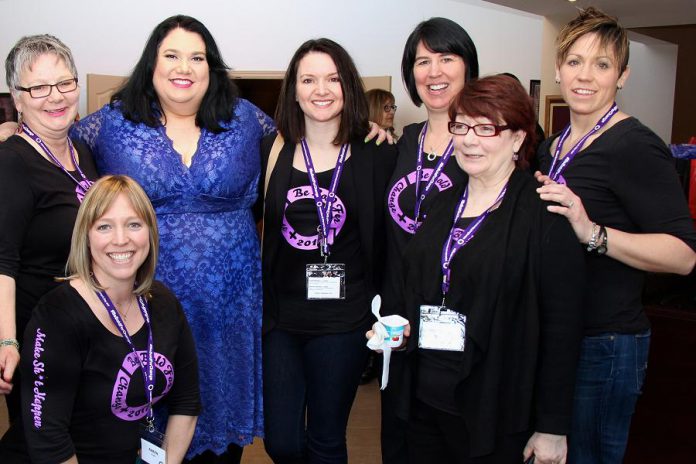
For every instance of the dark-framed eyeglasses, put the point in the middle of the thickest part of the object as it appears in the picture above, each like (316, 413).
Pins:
(388, 108)
(482, 130)
(44, 90)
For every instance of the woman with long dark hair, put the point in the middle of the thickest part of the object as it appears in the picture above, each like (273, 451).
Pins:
(322, 253)
(178, 128)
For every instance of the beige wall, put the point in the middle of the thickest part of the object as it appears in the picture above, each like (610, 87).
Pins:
(684, 115)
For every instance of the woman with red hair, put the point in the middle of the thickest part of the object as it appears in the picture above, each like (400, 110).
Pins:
(495, 324)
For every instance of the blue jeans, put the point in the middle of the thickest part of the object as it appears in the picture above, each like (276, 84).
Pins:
(610, 378)
(312, 378)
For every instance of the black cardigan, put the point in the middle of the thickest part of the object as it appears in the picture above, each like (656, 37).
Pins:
(519, 282)
(372, 168)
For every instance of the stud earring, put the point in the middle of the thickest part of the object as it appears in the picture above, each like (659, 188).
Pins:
(515, 156)
(558, 81)
(619, 86)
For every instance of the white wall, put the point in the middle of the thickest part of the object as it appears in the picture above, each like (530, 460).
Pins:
(649, 91)
(107, 37)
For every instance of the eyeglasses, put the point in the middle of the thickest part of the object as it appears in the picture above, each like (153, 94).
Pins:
(44, 90)
(482, 130)
(388, 108)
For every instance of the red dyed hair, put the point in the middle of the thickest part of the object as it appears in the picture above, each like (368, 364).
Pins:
(504, 101)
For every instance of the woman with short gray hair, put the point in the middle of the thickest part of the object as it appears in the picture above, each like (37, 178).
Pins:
(43, 178)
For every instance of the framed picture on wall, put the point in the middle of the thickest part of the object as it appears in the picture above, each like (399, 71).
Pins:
(7, 109)
(557, 114)
(535, 93)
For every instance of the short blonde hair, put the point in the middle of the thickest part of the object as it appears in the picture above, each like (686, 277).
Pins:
(99, 198)
(591, 20)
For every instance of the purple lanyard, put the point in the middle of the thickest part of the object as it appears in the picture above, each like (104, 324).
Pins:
(324, 205)
(452, 246)
(149, 368)
(556, 171)
(49, 153)
(439, 167)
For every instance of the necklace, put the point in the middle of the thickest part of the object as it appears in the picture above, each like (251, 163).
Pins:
(435, 149)
(128, 308)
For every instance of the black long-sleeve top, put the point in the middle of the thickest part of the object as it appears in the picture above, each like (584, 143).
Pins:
(519, 281)
(82, 393)
(38, 206)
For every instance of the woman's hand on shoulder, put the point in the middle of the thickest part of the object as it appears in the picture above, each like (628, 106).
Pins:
(7, 129)
(546, 448)
(381, 134)
(568, 205)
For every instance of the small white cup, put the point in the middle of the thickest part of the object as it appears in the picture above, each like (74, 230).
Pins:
(395, 325)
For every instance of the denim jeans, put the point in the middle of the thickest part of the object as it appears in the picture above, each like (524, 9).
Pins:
(610, 378)
(312, 378)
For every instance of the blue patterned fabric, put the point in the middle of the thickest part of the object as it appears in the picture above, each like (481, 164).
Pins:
(209, 252)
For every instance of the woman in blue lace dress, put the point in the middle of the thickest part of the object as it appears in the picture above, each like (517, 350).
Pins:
(177, 128)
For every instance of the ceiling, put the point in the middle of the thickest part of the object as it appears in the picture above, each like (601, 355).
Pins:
(631, 13)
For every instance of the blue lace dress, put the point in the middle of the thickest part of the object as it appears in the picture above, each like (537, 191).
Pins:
(209, 252)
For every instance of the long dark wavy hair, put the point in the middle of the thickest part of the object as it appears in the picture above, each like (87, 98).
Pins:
(139, 101)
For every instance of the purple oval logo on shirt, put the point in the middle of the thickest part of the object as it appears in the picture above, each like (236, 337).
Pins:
(119, 407)
(403, 220)
(309, 242)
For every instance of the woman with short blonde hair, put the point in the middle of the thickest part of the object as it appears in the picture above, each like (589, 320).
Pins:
(615, 182)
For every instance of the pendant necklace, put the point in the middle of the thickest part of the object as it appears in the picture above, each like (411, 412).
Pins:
(432, 154)
(124, 315)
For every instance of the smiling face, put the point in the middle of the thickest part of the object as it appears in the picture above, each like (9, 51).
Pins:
(486, 158)
(49, 116)
(181, 74)
(589, 76)
(318, 89)
(438, 76)
(119, 243)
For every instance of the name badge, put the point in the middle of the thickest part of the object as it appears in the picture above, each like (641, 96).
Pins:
(441, 329)
(326, 281)
(151, 451)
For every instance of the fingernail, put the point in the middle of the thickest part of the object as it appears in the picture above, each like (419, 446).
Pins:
(378, 143)
(366, 140)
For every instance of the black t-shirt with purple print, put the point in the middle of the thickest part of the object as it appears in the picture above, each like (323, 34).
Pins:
(401, 205)
(83, 391)
(38, 206)
(298, 247)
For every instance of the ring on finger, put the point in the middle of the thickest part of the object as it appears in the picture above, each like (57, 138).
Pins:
(570, 205)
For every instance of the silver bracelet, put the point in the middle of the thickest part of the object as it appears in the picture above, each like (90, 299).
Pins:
(592, 243)
(9, 342)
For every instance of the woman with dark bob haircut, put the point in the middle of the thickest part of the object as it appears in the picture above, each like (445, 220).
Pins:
(439, 59)
(177, 127)
(495, 333)
(322, 253)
